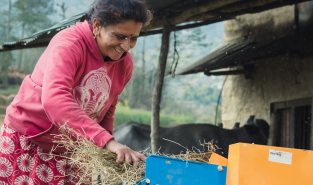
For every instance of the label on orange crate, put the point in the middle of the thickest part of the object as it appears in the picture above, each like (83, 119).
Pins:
(280, 156)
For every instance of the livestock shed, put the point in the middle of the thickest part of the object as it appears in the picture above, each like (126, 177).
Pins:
(268, 62)
(172, 15)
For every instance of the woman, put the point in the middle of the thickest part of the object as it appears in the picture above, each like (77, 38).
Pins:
(76, 81)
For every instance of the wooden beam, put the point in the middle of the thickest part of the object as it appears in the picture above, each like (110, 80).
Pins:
(157, 91)
(177, 28)
(247, 5)
(257, 6)
(189, 12)
(200, 9)
(311, 131)
(221, 11)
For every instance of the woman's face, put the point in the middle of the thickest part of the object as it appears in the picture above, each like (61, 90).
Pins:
(114, 40)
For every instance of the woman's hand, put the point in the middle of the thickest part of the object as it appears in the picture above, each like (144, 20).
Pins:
(124, 153)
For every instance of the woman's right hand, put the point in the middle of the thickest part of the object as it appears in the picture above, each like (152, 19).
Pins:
(124, 153)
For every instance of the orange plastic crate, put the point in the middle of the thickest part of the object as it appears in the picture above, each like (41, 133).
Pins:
(251, 164)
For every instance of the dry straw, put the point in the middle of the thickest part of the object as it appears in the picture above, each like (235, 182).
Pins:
(195, 154)
(94, 165)
(88, 160)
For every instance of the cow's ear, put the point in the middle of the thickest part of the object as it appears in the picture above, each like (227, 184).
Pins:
(251, 120)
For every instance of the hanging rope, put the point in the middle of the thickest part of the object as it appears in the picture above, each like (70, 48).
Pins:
(175, 57)
(143, 53)
(219, 100)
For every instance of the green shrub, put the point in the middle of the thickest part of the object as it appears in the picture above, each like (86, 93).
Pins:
(125, 114)
(10, 90)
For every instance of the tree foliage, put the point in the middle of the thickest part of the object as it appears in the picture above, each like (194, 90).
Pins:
(21, 18)
(33, 15)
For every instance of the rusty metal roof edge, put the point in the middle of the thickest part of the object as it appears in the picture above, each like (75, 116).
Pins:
(55, 28)
(211, 61)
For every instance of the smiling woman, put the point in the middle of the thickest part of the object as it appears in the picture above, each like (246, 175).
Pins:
(116, 40)
(77, 81)
(116, 30)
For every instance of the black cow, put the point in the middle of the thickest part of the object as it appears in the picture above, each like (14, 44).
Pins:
(137, 136)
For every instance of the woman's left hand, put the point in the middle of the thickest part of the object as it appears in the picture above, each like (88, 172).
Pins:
(124, 153)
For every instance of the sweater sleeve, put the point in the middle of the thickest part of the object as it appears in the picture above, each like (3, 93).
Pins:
(57, 96)
(108, 120)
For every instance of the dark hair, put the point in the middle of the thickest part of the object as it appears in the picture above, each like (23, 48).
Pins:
(110, 12)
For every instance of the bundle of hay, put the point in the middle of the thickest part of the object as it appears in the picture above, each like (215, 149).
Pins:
(89, 161)
(95, 165)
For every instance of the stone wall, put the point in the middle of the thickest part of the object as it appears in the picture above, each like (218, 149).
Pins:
(266, 25)
(278, 79)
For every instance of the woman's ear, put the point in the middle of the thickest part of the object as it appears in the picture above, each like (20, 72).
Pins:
(96, 27)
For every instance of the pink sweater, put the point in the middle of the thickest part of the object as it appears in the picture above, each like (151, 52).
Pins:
(72, 84)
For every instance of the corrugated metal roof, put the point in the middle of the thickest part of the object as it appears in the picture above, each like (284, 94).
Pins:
(247, 52)
(43, 37)
(223, 56)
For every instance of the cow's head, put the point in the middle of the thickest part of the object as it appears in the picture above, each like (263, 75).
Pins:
(259, 129)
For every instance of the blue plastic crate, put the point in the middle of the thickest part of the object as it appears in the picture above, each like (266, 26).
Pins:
(162, 170)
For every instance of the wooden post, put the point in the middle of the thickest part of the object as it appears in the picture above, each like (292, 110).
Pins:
(157, 91)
